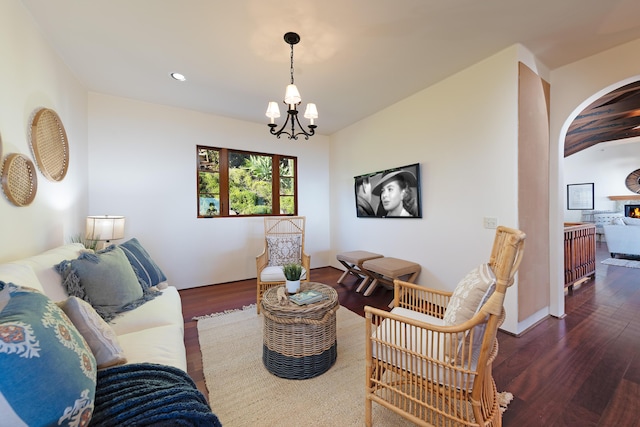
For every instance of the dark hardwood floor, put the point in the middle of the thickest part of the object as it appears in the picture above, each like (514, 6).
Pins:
(582, 370)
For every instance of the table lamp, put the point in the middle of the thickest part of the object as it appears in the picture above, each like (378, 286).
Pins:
(104, 228)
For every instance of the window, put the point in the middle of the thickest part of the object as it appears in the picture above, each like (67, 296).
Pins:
(242, 183)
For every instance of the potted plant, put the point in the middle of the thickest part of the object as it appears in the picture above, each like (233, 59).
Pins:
(88, 243)
(292, 273)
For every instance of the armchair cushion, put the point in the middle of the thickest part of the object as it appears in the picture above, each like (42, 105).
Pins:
(422, 352)
(403, 341)
(274, 273)
(470, 294)
(284, 249)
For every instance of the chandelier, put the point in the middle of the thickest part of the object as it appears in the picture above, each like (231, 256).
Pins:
(292, 100)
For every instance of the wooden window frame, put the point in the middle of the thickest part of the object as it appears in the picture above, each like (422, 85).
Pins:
(224, 154)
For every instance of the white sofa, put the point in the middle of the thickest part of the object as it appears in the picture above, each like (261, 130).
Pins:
(64, 365)
(623, 236)
(152, 332)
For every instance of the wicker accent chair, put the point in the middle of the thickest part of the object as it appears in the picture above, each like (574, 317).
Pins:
(283, 243)
(432, 369)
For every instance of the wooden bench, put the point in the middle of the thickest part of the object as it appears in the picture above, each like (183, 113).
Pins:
(386, 269)
(353, 263)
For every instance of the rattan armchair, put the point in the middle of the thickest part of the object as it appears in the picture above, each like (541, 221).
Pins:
(432, 372)
(283, 243)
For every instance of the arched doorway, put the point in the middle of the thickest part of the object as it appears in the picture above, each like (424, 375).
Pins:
(610, 113)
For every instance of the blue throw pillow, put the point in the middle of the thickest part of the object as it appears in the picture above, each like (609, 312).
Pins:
(48, 371)
(147, 270)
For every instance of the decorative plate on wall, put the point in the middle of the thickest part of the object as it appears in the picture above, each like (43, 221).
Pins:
(19, 180)
(49, 144)
(633, 181)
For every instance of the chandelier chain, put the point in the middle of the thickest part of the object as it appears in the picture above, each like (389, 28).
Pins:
(291, 64)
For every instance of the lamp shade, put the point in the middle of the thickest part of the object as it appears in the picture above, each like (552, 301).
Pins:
(311, 112)
(104, 227)
(291, 95)
(273, 111)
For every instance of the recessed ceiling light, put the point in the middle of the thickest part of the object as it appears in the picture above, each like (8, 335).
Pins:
(178, 76)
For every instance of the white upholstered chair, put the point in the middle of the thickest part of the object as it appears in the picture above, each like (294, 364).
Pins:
(430, 358)
(283, 244)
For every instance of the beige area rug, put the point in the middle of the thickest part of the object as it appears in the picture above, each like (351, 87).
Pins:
(243, 393)
(622, 262)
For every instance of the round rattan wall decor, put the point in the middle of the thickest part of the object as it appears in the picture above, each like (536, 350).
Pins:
(19, 180)
(49, 144)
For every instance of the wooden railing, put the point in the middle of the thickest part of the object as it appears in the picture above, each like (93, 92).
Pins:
(579, 253)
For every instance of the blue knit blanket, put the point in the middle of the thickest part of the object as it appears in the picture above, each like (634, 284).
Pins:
(148, 394)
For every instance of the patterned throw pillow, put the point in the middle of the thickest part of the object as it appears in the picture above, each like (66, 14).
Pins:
(284, 250)
(470, 293)
(147, 270)
(99, 335)
(48, 371)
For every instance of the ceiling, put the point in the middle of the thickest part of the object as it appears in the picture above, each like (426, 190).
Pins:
(614, 116)
(355, 57)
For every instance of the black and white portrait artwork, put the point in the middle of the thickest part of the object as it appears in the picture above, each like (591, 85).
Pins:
(391, 193)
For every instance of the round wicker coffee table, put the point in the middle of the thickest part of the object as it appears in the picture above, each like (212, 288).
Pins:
(300, 340)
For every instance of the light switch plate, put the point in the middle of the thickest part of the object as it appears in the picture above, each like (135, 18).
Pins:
(490, 222)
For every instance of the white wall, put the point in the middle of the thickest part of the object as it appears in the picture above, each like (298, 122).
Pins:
(32, 76)
(607, 166)
(463, 132)
(142, 164)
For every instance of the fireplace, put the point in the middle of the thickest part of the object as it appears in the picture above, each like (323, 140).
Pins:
(632, 211)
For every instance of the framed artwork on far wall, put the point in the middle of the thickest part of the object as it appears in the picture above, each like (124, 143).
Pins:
(391, 193)
(580, 196)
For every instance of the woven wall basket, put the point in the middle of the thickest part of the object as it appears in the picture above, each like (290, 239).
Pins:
(19, 180)
(49, 144)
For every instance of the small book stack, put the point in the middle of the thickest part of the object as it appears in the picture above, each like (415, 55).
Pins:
(307, 297)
